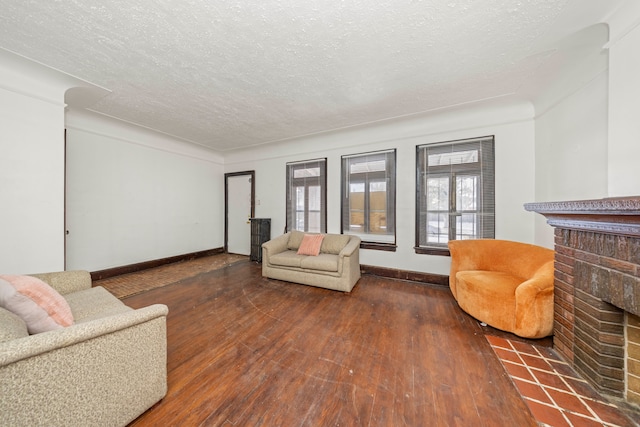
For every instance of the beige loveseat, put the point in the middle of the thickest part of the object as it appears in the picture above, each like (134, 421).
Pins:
(104, 370)
(337, 266)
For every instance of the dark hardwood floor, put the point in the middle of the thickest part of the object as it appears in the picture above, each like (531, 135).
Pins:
(244, 350)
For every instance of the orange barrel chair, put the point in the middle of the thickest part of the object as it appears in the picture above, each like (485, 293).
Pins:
(507, 285)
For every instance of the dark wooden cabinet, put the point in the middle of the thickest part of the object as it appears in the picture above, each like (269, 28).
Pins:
(260, 233)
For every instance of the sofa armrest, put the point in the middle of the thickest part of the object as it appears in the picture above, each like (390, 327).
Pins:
(104, 372)
(34, 345)
(350, 247)
(275, 246)
(66, 282)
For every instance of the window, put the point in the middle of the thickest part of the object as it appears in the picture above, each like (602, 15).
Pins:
(307, 196)
(368, 198)
(455, 193)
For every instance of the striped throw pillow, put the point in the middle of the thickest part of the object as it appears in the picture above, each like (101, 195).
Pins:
(311, 244)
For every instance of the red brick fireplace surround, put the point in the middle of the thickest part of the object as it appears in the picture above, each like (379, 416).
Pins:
(597, 290)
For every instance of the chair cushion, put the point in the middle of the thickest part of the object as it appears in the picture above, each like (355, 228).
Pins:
(489, 296)
(310, 244)
(40, 306)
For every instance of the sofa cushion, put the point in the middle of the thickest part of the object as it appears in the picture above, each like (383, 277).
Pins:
(11, 326)
(94, 303)
(40, 306)
(295, 239)
(331, 244)
(310, 244)
(322, 262)
(334, 243)
(287, 259)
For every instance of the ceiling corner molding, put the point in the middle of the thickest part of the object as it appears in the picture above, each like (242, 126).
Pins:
(34, 79)
(622, 22)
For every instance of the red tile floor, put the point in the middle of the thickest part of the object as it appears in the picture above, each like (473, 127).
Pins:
(555, 394)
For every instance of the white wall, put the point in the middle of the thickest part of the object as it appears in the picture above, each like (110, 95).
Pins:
(32, 172)
(571, 150)
(512, 126)
(587, 127)
(32, 176)
(624, 100)
(135, 195)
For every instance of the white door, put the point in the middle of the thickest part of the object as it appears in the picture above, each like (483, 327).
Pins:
(238, 214)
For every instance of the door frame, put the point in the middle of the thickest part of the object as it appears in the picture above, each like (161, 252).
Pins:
(252, 177)
(65, 230)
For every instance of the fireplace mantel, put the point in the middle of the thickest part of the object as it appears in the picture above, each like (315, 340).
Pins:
(616, 215)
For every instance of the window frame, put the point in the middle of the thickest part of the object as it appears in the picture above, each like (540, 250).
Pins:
(389, 175)
(484, 168)
(306, 182)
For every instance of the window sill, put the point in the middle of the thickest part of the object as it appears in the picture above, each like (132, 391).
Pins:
(388, 247)
(432, 251)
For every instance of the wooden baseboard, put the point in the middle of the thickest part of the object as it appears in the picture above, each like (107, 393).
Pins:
(132, 268)
(415, 276)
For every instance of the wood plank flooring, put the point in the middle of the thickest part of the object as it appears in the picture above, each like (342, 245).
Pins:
(244, 350)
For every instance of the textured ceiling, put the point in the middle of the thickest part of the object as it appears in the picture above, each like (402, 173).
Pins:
(231, 74)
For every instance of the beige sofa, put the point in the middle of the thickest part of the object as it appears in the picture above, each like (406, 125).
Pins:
(337, 266)
(104, 370)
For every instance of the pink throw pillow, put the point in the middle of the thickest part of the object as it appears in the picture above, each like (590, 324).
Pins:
(311, 244)
(40, 306)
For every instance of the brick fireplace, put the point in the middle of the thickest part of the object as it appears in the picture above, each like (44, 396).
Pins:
(597, 290)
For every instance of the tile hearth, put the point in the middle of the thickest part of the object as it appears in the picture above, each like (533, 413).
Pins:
(554, 393)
